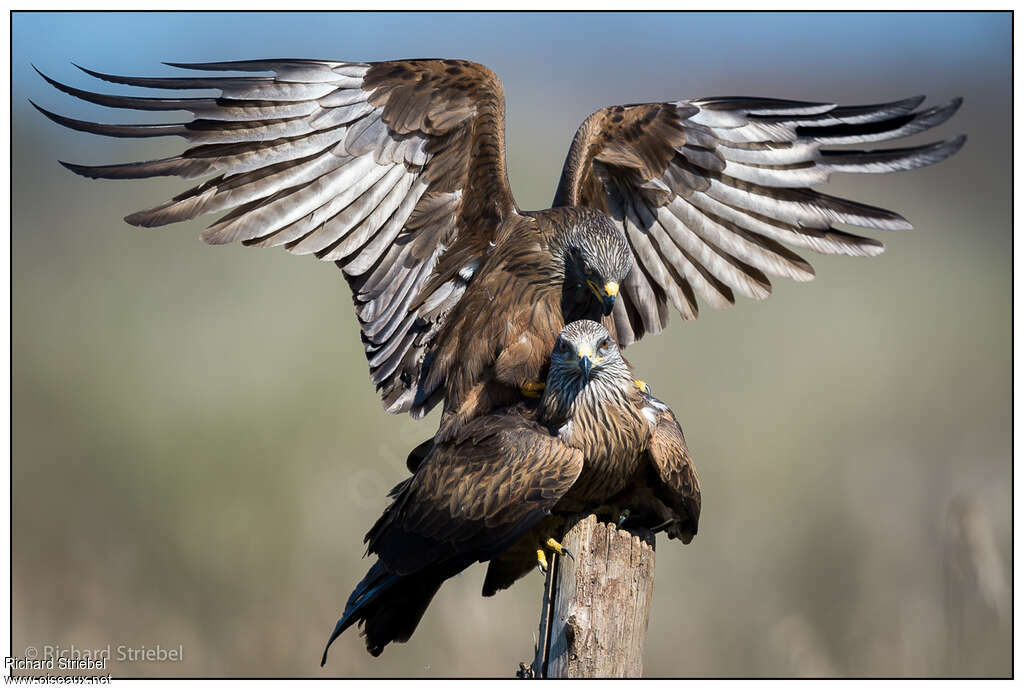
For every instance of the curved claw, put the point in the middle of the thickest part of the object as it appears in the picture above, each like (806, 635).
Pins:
(552, 545)
(542, 561)
(623, 516)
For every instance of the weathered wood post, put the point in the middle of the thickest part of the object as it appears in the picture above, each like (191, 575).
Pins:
(594, 615)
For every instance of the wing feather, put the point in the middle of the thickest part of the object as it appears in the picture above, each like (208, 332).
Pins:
(710, 192)
(679, 488)
(476, 495)
(379, 167)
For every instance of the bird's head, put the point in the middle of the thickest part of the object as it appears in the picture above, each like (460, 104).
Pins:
(597, 261)
(586, 370)
(585, 352)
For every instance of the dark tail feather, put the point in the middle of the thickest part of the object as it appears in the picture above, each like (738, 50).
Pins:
(394, 618)
(389, 606)
(376, 582)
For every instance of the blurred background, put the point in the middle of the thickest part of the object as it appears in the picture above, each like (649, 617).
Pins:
(197, 450)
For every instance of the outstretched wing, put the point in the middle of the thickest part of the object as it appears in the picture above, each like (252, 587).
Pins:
(381, 167)
(679, 488)
(710, 192)
(473, 498)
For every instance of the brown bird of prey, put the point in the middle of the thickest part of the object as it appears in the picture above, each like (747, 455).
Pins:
(499, 489)
(395, 171)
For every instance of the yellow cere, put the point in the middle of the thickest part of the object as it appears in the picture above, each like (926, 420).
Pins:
(588, 352)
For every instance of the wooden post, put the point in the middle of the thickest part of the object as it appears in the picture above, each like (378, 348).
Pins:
(594, 616)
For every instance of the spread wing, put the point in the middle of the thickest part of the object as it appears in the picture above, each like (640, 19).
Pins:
(475, 497)
(381, 167)
(712, 193)
(679, 489)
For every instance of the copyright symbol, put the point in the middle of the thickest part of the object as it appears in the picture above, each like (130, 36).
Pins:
(31, 653)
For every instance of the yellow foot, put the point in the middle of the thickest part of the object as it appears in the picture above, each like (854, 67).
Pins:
(642, 385)
(532, 389)
(550, 544)
(553, 545)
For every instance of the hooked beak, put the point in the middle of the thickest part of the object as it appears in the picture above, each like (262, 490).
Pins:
(585, 361)
(586, 365)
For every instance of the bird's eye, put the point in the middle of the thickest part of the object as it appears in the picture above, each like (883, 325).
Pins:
(563, 346)
(605, 344)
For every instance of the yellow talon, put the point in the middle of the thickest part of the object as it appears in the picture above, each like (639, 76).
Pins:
(532, 389)
(550, 544)
(642, 385)
(558, 548)
(542, 561)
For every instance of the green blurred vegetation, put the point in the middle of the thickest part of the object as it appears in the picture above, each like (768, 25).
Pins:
(197, 450)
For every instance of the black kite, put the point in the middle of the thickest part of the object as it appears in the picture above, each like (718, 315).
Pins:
(499, 489)
(396, 172)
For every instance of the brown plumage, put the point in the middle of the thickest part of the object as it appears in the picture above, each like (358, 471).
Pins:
(710, 191)
(396, 172)
(491, 491)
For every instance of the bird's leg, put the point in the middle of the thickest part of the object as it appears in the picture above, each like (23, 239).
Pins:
(550, 544)
(553, 545)
(642, 385)
(542, 561)
(532, 389)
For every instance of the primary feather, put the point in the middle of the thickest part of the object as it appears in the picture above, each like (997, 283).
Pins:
(396, 172)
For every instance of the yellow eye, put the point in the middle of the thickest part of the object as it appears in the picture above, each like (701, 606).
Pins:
(605, 344)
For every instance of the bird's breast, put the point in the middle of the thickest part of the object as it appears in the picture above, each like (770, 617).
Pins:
(613, 441)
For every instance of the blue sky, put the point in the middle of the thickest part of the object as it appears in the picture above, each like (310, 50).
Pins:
(705, 42)
(556, 67)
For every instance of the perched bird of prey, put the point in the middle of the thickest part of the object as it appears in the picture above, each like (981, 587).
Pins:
(501, 488)
(396, 172)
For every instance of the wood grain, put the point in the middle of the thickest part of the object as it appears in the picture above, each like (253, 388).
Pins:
(596, 607)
